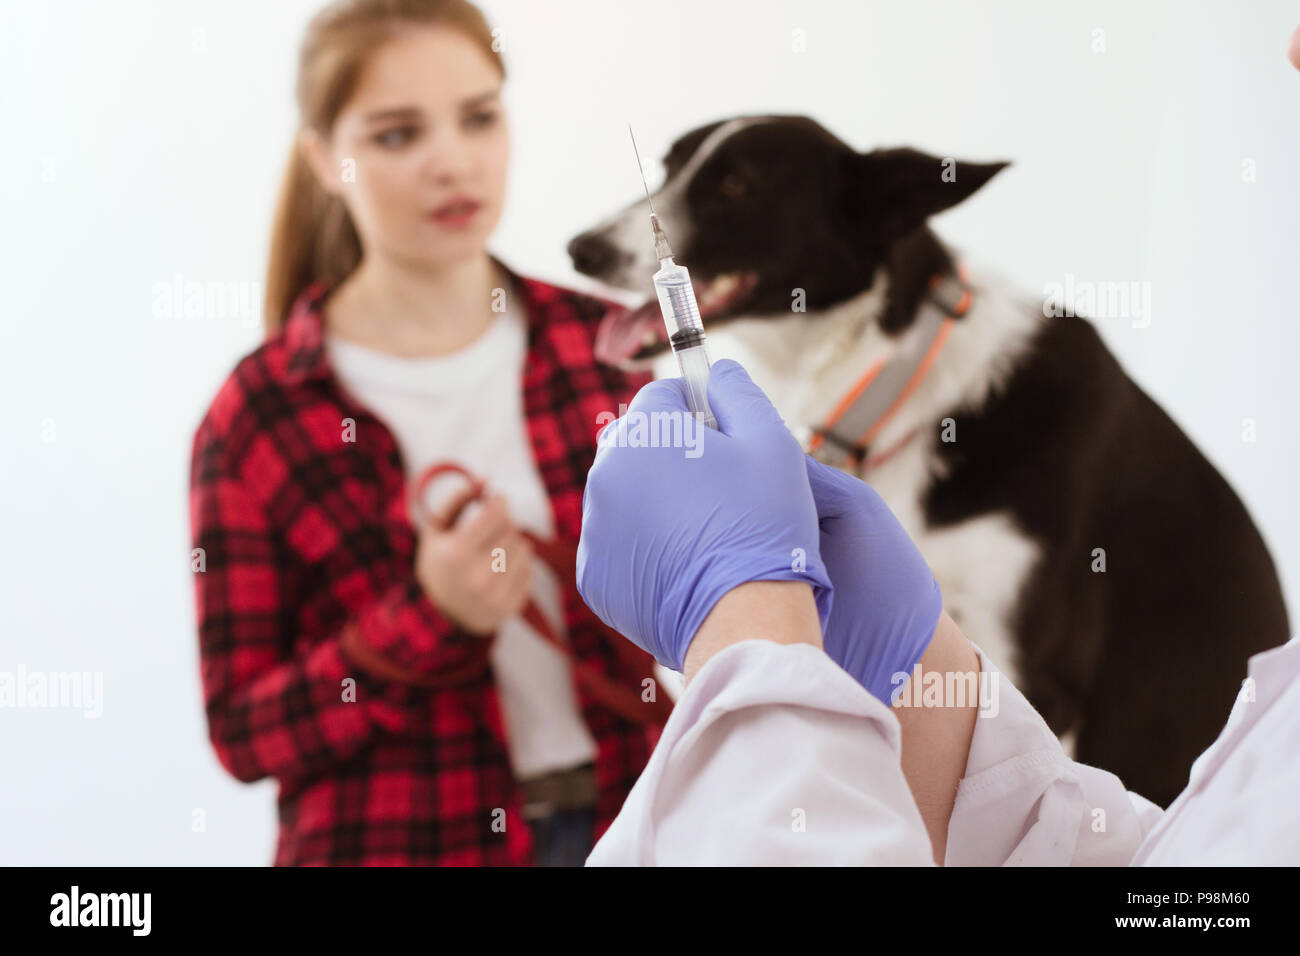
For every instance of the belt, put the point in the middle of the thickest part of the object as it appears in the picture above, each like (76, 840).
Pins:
(570, 789)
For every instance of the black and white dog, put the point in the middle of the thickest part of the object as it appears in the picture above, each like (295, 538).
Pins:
(1078, 535)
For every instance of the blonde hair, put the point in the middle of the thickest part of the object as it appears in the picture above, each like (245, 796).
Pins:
(313, 236)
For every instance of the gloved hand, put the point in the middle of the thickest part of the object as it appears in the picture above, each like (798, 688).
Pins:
(887, 602)
(667, 531)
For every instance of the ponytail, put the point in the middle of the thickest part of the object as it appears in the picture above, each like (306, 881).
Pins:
(312, 238)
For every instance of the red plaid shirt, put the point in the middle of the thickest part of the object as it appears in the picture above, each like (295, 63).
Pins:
(305, 534)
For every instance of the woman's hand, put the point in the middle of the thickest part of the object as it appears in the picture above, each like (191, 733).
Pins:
(461, 569)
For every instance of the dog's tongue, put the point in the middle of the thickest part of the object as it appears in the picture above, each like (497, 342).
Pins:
(622, 331)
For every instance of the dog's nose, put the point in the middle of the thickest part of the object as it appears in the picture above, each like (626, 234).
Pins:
(592, 254)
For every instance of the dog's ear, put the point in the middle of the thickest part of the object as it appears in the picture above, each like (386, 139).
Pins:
(890, 192)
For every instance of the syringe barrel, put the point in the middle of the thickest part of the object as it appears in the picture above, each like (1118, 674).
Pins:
(686, 335)
(677, 298)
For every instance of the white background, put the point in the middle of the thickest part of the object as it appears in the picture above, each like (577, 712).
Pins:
(164, 127)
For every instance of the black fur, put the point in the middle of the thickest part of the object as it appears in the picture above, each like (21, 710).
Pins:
(1145, 659)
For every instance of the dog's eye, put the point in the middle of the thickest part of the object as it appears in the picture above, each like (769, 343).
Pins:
(733, 186)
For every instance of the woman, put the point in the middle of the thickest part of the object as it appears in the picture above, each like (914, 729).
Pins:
(381, 672)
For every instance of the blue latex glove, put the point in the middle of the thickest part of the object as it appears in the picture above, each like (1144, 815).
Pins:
(887, 602)
(667, 531)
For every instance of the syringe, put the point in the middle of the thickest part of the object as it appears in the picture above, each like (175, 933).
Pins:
(681, 314)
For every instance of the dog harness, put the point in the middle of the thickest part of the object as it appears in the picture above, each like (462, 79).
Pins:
(844, 439)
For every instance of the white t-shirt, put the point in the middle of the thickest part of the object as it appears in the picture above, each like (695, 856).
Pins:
(467, 407)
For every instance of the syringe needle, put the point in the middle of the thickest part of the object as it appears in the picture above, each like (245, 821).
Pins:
(662, 249)
(640, 168)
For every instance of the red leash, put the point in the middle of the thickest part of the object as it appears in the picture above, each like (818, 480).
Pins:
(562, 557)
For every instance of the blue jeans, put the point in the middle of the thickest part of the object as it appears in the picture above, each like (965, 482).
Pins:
(563, 838)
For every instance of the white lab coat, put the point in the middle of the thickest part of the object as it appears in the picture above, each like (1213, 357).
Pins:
(775, 756)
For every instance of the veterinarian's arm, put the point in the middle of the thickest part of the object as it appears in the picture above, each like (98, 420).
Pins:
(937, 717)
(886, 621)
(772, 756)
